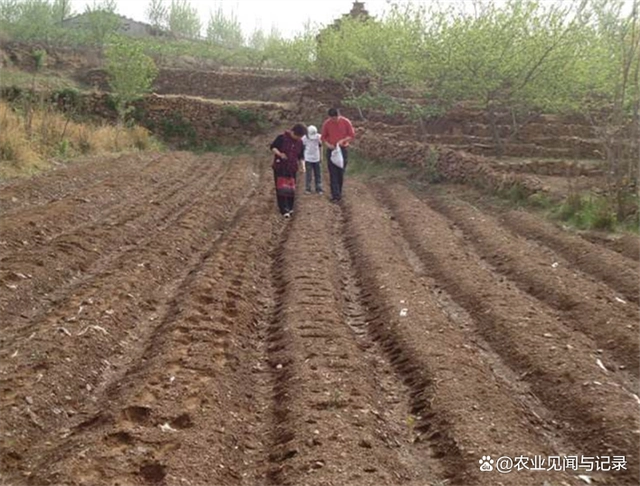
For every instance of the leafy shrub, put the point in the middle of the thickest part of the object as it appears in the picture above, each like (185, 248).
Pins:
(67, 99)
(246, 118)
(176, 128)
(431, 171)
(588, 212)
(571, 206)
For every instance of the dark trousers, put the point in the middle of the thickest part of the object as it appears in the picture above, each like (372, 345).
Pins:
(336, 174)
(285, 203)
(313, 169)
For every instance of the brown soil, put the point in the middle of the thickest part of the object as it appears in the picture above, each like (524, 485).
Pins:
(161, 324)
(626, 244)
(616, 270)
(586, 305)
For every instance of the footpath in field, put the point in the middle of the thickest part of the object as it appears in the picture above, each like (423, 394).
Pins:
(161, 324)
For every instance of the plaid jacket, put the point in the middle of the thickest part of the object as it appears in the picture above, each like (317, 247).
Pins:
(292, 148)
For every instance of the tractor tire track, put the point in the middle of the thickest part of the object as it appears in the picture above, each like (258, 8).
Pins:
(332, 422)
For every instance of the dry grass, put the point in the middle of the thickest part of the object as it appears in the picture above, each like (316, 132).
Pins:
(28, 143)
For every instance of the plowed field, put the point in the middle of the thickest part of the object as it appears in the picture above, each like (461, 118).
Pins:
(160, 323)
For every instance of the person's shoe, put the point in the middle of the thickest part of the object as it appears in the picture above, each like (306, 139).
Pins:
(320, 191)
(307, 191)
(287, 215)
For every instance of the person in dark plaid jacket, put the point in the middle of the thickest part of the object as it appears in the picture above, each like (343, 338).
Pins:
(288, 155)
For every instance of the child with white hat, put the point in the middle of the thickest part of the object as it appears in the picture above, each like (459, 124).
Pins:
(312, 159)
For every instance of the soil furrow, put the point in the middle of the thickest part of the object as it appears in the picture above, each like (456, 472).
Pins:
(77, 254)
(180, 411)
(81, 288)
(41, 189)
(462, 408)
(402, 405)
(37, 225)
(587, 306)
(75, 181)
(162, 324)
(81, 342)
(626, 244)
(562, 368)
(334, 423)
(617, 271)
(75, 217)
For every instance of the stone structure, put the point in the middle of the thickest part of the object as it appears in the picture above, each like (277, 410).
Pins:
(358, 11)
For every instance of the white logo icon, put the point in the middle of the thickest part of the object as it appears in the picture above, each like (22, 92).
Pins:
(486, 463)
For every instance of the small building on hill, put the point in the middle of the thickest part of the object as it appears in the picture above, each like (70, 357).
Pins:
(126, 26)
(358, 11)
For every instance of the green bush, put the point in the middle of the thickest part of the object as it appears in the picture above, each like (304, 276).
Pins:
(540, 200)
(64, 148)
(431, 171)
(572, 205)
(67, 99)
(176, 128)
(600, 216)
(244, 116)
(588, 212)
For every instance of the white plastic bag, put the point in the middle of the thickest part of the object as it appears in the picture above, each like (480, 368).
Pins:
(336, 157)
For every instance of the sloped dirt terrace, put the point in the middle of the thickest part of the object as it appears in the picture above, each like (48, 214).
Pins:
(160, 324)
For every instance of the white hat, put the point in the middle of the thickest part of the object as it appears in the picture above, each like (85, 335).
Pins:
(311, 130)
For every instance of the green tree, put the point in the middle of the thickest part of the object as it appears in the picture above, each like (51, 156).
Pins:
(273, 43)
(224, 31)
(9, 12)
(611, 93)
(388, 51)
(157, 14)
(183, 20)
(101, 21)
(296, 54)
(519, 58)
(29, 20)
(257, 39)
(265, 47)
(61, 10)
(130, 71)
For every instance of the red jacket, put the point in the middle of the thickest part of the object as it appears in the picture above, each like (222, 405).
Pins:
(335, 130)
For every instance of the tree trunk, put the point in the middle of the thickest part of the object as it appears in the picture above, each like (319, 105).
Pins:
(494, 130)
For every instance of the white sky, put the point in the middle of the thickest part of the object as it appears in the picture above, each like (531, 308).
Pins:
(289, 16)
